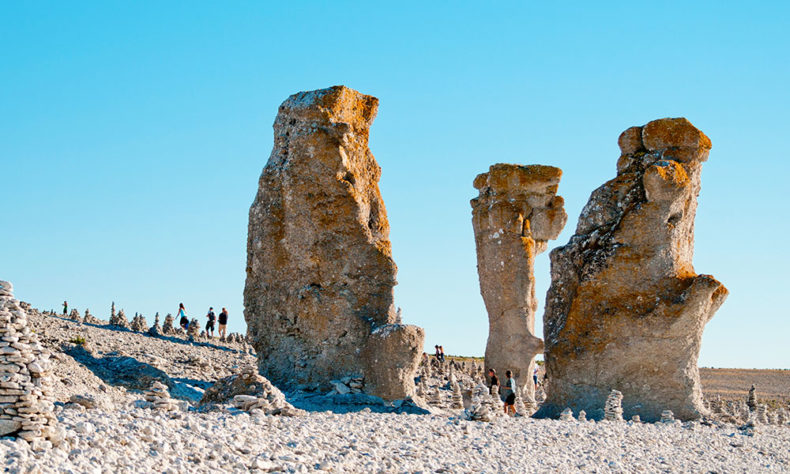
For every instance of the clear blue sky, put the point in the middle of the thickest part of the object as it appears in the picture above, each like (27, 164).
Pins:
(132, 136)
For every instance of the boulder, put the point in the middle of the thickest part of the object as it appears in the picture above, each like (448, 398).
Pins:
(320, 273)
(626, 310)
(515, 214)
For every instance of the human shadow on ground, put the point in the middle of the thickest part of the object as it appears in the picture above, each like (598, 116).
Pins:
(351, 403)
(130, 373)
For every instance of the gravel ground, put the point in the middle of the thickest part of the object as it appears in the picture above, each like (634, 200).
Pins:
(141, 440)
(119, 436)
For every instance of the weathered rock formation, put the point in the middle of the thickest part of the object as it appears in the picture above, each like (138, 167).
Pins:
(320, 275)
(625, 309)
(25, 405)
(514, 216)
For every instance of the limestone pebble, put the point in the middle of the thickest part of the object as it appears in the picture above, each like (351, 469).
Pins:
(159, 397)
(139, 323)
(625, 307)
(515, 214)
(613, 410)
(26, 408)
(318, 297)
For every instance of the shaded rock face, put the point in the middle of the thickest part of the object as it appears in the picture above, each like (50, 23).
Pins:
(320, 273)
(514, 216)
(625, 310)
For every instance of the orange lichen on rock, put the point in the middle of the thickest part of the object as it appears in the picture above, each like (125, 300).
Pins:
(320, 273)
(625, 309)
(514, 216)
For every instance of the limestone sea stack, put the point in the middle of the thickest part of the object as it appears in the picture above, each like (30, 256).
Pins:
(625, 310)
(514, 216)
(320, 274)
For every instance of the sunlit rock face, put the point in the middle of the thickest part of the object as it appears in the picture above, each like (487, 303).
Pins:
(625, 310)
(320, 274)
(515, 214)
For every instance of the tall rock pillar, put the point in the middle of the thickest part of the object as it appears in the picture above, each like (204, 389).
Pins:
(625, 310)
(320, 275)
(514, 216)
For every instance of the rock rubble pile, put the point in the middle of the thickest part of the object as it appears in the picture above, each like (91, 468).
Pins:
(26, 409)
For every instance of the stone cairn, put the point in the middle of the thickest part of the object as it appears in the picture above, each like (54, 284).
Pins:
(74, 315)
(193, 330)
(667, 416)
(90, 319)
(269, 401)
(348, 384)
(457, 399)
(156, 329)
(566, 415)
(118, 319)
(636, 419)
(582, 415)
(167, 327)
(625, 307)
(159, 397)
(25, 405)
(613, 410)
(139, 323)
(752, 400)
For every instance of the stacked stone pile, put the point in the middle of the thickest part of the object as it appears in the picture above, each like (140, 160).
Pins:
(348, 384)
(74, 315)
(457, 399)
(138, 323)
(118, 319)
(636, 419)
(667, 416)
(156, 329)
(90, 319)
(613, 410)
(752, 401)
(582, 415)
(566, 415)
(159, 397)
(25, 406)
(193, 330)
(249, 391)
(167, 327)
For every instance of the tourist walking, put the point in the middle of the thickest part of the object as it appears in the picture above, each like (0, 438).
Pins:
(223, 323)
(182, 317)
(509, 393)
(210, 323)
(65, 307)
(535, 376)
(441, 353)
(494, 381)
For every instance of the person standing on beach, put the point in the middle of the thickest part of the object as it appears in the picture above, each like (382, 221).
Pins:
(65, 308)
(509, 393)
(494, 381)
(223, 324)
(182, 317)
(210, 323)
